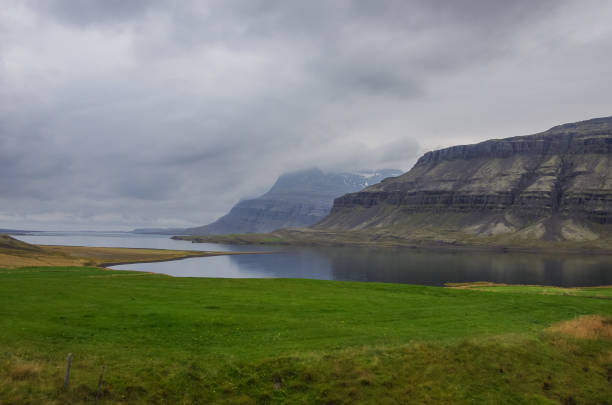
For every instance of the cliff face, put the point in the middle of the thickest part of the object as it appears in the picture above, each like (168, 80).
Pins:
(554, 185)
(296, 200)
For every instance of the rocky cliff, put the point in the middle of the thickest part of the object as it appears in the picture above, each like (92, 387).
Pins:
(555, 185)
(297, 199)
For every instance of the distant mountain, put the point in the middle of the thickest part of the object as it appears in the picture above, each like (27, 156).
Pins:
(14, 231)
(555, 186)
(297, 199)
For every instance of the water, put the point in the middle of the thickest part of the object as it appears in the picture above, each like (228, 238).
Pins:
(399, 265)
(125, 239)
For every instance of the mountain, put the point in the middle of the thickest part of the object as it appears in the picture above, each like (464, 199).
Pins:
(551, 186)
(297, 199)
(15, 231)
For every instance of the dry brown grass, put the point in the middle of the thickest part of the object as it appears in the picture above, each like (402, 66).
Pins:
(474, 284)
(25, 370)
(606, 357)
(14, 253)
(95, 256)
(585, 327)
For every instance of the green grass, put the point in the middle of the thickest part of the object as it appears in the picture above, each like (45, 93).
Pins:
(194, 340)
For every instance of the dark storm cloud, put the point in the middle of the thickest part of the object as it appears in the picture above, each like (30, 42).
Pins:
(136, 113)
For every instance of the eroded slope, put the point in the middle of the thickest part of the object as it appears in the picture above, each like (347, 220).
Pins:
(556, 185)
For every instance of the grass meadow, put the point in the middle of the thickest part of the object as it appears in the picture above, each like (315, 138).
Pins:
(278, 341)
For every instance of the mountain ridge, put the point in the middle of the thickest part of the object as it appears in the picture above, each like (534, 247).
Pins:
(296, 199)
(554, 185)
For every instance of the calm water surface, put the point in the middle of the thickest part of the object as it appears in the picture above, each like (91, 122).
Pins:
(400, 265)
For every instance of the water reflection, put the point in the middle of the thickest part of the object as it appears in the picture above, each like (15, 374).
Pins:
(294, 264)
(436, 268)
(398, 266)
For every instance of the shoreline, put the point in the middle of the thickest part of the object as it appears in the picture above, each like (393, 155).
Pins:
(433, 246)
(208, 254)
(15, 253)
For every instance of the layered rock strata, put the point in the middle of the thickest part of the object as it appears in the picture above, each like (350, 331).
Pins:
(552, 185)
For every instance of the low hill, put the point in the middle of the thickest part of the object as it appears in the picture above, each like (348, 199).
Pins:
(15, 253)
(10, 244)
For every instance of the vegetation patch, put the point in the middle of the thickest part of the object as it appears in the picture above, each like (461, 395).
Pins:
(23, 370)
(586, 327)
(603, 292)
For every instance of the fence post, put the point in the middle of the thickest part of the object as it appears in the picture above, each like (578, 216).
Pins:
(67, 375)
(99, 385)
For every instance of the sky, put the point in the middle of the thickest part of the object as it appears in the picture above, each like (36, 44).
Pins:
(148, 113)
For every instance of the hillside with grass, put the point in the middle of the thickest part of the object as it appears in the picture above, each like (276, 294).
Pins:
(223, 341)
(15, 253)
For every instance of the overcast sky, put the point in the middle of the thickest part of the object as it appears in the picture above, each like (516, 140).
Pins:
(120, 114)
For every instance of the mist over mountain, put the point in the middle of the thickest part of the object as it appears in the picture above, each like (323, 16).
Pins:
(297, 199)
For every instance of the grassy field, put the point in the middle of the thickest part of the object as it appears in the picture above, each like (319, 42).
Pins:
(194, 340)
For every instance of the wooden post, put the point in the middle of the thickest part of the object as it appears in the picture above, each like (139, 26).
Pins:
(99, 385)
(67, 375)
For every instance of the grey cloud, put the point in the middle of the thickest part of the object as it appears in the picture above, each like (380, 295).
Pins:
(151, 112)
(93, 12)
(359, 45)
